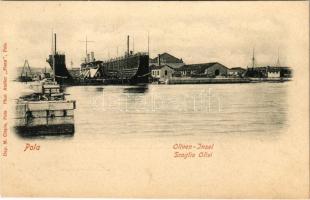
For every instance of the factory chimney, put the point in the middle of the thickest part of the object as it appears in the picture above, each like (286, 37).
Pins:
(127, 45)
(158, 60)
(55, 43)
(92, 56)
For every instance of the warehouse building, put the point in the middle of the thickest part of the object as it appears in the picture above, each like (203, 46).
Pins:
(210, 70)
(161, 73)
(168, 59)
(236, 71)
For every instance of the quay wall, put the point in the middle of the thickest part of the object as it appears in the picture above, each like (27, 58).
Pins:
(206, 80)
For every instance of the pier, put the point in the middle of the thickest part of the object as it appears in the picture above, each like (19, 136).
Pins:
(188, 80)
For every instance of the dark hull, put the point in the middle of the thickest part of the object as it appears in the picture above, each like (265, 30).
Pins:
(62, 74)
(45, 130)
(24, 79)
(133, 69)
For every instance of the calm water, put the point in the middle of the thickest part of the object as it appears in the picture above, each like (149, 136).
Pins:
(124, 136)
(177, 110)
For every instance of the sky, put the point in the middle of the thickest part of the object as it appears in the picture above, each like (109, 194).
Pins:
(197, 32)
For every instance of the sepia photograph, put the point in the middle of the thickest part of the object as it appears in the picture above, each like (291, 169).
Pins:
(154, 99)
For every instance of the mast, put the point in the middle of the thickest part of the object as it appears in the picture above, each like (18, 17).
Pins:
(126, 58)
(128, 45)
(133, 44)
(278, 61)
(253, 59)
(148, 43)
(86, 52)
(53, 54)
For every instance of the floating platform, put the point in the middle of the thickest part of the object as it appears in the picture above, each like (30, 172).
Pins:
(45, 117)
(45, 112)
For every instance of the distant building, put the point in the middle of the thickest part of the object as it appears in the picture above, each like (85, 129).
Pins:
(161, 73)
(166, 58)
(213, 69)
(275, 74)
(236, 71)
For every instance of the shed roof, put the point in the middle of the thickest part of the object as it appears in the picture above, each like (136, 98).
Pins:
(237, 68)
(152, 67)
(201, 67)
(167, 57)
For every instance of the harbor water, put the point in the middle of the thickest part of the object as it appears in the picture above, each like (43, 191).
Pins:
(125, 139)
(180, 110)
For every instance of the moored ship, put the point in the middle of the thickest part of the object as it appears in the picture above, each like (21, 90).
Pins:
(57, 61)
(132, 68)
(129, 69)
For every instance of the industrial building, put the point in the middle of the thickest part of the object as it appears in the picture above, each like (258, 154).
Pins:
(161, 73)
(168, 59)
(236, 71)
(210, 70)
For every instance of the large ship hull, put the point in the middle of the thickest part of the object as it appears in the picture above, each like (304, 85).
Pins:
(129, 69)
(62, 75)
(132, 69)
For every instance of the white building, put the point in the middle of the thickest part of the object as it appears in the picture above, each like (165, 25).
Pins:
(161, 73)
(273, 74)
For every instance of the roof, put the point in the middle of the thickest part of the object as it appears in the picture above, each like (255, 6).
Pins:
(167, 58)
(237, 68)
(199, 67)
(152, 67)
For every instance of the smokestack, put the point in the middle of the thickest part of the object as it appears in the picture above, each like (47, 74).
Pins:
(55, 42)
(92, 56)
(88, 57)
(159, 60)
(127, 44)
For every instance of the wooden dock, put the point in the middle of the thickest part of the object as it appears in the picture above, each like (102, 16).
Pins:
(45, 112)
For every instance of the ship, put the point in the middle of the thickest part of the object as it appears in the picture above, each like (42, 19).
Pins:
(57, 61)
(132, 68)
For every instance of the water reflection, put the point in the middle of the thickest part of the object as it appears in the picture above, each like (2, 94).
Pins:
(99, 89)
(43, 131)
(137, 89)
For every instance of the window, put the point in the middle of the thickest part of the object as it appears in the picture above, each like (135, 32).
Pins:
(166, 72)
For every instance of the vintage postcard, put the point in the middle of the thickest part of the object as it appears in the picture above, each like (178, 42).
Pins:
(153, 99)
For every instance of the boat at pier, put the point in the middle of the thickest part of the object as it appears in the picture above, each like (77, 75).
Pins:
(57, 61)
(129, 69)
(132, 68)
